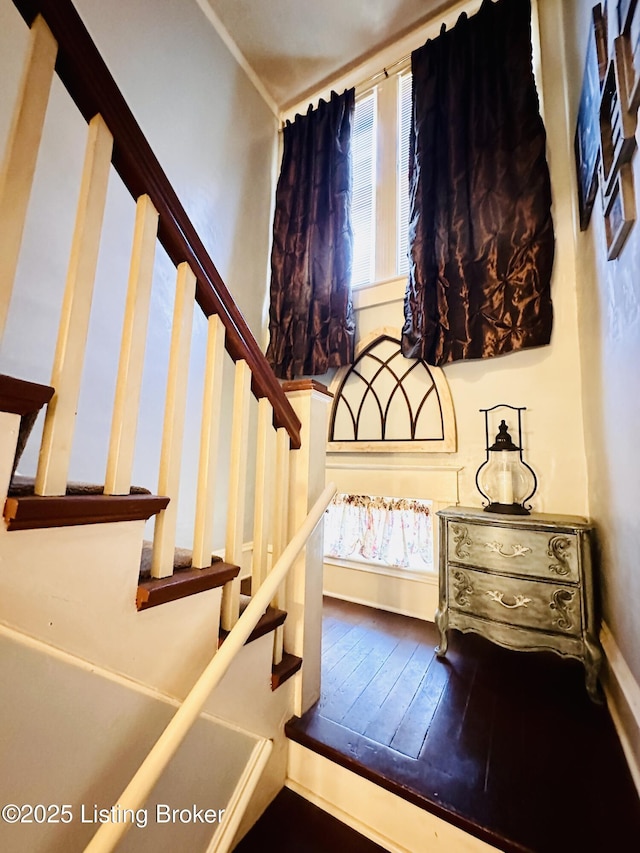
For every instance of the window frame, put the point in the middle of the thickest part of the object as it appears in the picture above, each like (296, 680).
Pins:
(387, 282)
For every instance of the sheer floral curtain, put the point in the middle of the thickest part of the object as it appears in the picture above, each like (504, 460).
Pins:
(392, 531)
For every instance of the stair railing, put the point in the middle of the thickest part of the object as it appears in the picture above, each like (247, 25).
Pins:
(140, 786)
(60, 43)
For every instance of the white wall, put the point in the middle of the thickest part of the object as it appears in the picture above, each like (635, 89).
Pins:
(609, 301)
(215, 138)
(84, 743)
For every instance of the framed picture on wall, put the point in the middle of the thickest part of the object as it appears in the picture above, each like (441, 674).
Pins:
(625, 12)
(587, 136)
(619, 211)
(627, 49)
(617, 129)
(599, 18)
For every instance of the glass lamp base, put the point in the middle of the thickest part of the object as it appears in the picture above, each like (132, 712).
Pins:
(507, 509)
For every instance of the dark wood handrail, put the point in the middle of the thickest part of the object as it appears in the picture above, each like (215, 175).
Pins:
(90, 84)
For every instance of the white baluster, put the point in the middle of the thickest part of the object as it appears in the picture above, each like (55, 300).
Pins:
(174, 416)
(237, 491)
(18, 167)
(263, 510)
(55, 451)
(280, 527)
(209, 438)
(134, 333)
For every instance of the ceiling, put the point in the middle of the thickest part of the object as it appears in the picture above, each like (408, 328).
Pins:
(297, 46)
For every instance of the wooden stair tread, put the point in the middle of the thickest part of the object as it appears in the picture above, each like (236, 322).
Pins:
(281, 672)
(20, 397)
(36, 511)
(183, 582)
(271, 619)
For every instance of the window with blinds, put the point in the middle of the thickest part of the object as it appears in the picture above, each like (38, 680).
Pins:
(363, 148)
(404, 127)
(380, 201)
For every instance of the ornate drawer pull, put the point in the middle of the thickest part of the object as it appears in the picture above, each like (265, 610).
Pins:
(518, 550)
(519, 600)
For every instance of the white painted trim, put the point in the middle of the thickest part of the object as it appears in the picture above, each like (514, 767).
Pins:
(426, 576)
(625, 684)
(379, 293)
(237, 54)
(436, 483)
(353, 599)
(392, 822)
(226, 832)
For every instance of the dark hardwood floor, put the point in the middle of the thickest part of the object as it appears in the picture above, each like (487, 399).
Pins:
(292, 824)
(504, 744)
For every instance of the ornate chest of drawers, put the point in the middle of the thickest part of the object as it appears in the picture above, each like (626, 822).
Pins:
(524, 582)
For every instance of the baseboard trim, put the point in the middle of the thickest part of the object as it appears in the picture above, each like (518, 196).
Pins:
(380, 815)
(376, 604)
(623, 698)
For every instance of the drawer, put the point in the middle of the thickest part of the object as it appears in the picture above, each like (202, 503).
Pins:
(516, 601)
(514, 550)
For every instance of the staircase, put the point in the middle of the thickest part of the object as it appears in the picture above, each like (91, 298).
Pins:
(98, 578)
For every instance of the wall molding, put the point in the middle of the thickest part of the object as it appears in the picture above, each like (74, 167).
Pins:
(238, 55)
(623, 698)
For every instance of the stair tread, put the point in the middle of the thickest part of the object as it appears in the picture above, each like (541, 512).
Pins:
(184, 581)
(271, 619)
(20, 397)
(37, 511)
(281, 672)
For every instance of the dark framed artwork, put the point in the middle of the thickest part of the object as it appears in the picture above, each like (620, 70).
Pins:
(599, 18)
(625, 13)
(633, 91)
(587, 136)
(617, 129)
(627, 48)
(619, 211)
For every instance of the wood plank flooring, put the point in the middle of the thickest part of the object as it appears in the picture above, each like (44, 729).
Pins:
(504, 744)
(291, 824)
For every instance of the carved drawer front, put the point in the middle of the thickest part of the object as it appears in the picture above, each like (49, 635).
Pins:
(515, 601)
(514, 551)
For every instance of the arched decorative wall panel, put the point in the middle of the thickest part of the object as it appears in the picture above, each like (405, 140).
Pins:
(384, 401)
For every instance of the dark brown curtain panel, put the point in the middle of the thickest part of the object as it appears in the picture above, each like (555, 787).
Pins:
(312, 326)
(480, 231)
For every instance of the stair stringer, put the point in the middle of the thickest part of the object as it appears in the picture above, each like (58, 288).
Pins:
(74, 589)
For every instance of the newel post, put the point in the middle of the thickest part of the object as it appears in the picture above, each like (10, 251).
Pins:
(303, 628)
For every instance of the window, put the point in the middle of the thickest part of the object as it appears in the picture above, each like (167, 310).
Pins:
(380, 206)
(393, 532)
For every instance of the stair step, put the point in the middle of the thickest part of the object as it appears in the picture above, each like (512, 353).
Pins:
(36, 511)
(21, 397)
(271, 619)
(281, 672)
(290, 664)
(292, 824)
(183, 582)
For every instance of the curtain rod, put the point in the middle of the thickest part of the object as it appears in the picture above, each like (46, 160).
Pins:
(371, 80)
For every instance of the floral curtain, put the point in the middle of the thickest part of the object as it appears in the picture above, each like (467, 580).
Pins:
(393, 531)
